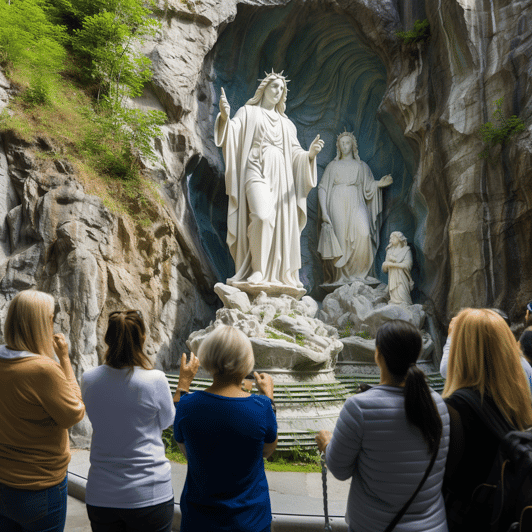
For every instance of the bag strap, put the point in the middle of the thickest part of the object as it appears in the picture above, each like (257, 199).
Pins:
(403, 510)
(490, 416)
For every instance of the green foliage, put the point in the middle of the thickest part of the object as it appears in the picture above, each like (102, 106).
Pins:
(34, 35)
(121, 136)
(170, 445)
(499, 132)
(172, 451)
(348, 330)
(295, 459)
(298, 454)
(419, 33)
(27, 36)
(105, 41)
(32, 44)
(300, 339)
(274, 336)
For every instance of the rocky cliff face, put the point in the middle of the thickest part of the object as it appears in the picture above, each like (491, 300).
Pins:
(468, 219)
(56, 238)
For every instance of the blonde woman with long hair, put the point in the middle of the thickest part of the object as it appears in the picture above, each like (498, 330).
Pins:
(485, 358)
(40, 399)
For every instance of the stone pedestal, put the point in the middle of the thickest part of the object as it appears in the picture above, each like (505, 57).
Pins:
(298, 350)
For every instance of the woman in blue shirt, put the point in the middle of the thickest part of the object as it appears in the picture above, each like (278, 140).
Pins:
(225, 434)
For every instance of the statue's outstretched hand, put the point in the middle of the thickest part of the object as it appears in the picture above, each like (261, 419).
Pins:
(385, 181)
(315, 147)
(225, 108)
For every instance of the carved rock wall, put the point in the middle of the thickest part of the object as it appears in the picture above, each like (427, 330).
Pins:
(472, 236)
(477, 235)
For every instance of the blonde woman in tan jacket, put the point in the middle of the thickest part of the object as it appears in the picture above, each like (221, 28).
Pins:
(39, 400)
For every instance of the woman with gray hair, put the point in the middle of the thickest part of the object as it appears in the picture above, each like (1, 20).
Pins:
(225, 433)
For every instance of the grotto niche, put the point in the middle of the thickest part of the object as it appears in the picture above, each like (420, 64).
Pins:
(337, 84)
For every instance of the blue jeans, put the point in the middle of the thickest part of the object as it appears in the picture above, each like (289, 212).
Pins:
(156, 518)
(33, 510)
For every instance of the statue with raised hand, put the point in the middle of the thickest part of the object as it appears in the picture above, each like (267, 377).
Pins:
(268, 176)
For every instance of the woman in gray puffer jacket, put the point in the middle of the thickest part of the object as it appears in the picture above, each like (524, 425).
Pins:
(385, 438)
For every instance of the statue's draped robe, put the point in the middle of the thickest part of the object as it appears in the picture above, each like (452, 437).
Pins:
(400, 282)
(354, 203)
(258, 154)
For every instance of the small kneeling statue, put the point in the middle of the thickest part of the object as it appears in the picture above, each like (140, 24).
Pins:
(398, 264)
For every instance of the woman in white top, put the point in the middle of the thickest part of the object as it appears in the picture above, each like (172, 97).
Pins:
(129, 404)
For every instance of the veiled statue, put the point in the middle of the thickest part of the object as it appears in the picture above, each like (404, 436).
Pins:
(350, 201)
(398, 264)
(268, 176)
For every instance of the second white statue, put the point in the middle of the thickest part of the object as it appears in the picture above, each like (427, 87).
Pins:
(350, 201)
(268, 176)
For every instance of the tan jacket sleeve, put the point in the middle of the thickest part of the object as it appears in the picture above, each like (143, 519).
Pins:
(59, 396)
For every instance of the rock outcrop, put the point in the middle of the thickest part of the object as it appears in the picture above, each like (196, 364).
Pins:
(56, 238)
(287, 337)
(357, 310)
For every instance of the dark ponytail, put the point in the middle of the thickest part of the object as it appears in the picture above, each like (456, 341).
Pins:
(399, 343)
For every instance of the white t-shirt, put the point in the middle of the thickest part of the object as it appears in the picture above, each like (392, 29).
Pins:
(128, 411)
(445, 359)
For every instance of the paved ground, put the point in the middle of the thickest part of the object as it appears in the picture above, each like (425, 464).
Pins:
(77, 520)
(293, 496)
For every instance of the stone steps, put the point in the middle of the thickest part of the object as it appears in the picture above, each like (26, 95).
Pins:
(290, 397)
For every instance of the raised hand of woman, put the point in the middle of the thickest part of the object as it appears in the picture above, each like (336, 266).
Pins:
(322, 439)
(188, 371)
(60, 346)
(264, 383)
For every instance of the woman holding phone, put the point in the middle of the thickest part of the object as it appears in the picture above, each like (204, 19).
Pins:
(225, 433)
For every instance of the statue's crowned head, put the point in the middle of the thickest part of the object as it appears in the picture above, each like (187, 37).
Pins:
(354, 145)
(280, 107)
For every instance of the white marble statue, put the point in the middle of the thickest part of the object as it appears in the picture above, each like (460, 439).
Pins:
(267, 177)
(350, 201)
(398, 264)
